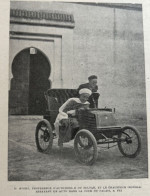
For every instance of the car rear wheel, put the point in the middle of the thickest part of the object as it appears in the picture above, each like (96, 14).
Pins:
(129, 142)
(85, 147)
(44, 136)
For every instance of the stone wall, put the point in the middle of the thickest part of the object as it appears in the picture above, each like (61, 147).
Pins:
(108, 42)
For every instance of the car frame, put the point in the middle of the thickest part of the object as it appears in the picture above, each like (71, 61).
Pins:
(97, 126)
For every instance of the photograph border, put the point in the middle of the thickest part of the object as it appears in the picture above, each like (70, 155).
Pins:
(139, 186)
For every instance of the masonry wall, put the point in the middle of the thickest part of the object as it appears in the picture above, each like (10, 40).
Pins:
(107, 42)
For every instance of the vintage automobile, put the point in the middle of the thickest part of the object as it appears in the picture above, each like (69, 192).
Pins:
(96, 126)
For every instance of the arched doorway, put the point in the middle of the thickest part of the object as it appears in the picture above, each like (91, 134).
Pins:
(31, 70)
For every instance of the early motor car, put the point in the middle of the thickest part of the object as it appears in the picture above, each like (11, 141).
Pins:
(97, 126)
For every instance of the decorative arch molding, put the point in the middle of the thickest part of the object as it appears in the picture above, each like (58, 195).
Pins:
(31, 70)
(49, 32)
(14, 69)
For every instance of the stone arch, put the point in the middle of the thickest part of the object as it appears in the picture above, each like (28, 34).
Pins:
(31, 71)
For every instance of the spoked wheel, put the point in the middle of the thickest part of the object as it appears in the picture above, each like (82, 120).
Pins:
(129, 142)
(85, 147)
(44, 136)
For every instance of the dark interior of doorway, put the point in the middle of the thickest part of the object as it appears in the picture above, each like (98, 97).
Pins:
(38, 82)
(31, 71)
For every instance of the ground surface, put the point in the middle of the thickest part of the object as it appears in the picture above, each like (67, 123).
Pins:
(25, 163)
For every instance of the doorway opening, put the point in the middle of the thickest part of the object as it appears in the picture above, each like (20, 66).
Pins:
(31, 71)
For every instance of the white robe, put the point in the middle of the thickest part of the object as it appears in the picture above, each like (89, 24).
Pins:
(64, 115)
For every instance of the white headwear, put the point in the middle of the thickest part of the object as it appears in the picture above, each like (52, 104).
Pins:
(85, 90)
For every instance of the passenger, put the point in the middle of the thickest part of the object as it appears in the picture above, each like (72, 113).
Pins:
(66, 119)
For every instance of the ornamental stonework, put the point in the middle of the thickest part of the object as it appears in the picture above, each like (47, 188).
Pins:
(42, 15)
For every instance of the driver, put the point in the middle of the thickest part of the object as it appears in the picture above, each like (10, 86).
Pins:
(92, 85)
(66, 119)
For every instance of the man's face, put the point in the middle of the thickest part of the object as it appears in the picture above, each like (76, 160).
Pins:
(93, 83)
(84, 97)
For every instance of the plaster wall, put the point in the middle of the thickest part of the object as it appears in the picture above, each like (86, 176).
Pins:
(107, 42)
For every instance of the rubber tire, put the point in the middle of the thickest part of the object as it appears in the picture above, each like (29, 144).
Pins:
(94, 142)
(48, 149)
(139, 142)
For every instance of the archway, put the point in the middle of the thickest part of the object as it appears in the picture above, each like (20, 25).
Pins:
(31, 70)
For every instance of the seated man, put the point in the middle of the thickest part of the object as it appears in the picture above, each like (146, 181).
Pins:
(92, 85)
(66, 120)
